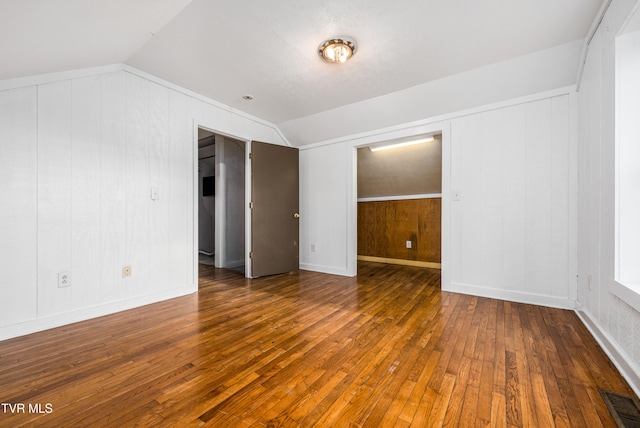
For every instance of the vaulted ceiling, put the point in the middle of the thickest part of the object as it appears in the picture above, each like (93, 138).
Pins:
(224, 49)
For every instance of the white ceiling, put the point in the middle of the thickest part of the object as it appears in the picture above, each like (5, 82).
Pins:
(224, 49)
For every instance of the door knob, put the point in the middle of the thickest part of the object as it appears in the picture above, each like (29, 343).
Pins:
(296, 215)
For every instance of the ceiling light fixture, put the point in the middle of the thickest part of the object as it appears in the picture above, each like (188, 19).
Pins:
(401, 144)
(337, 49)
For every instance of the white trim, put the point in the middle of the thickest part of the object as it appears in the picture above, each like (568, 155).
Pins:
(443, 128)
(220, 218)
(195, 202)
(83, 314)
(327, 269)
(248, 197)
(620, 359)
(592, 31)
(628, 293)
(446, 246)
(396, 131)
(351, 237)
(573, 195)
(401, 197)
(511, 295)
(41, 79)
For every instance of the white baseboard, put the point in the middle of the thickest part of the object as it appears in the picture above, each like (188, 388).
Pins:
(325, 269)
(58, 320)
(623, 363)
(511, 295)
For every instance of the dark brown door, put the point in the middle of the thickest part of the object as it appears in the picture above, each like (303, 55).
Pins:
(274, 213)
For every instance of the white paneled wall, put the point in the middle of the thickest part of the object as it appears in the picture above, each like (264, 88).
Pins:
(512, 233)
(78, 160)
(18, 204)
(326, 180)
(615, 323)
(54, 196)
(511, 227)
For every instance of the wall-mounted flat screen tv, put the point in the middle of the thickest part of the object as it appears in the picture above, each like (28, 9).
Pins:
(209, 186)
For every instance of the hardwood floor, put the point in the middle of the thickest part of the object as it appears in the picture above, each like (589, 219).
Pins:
(385, 349)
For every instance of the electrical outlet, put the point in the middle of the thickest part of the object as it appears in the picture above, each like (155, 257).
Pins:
(64, 279)
(313, 248)
(408, 244)
(126, 271)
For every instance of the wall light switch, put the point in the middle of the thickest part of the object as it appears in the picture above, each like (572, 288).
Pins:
(126, 271)
(155, 194)
(408, 244)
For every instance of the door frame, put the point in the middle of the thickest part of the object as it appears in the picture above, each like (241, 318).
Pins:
(219, 241)
(443, 128)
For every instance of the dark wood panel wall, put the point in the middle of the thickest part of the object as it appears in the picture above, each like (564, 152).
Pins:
(385, 226)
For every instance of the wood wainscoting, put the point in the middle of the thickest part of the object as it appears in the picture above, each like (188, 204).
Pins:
(384, 227)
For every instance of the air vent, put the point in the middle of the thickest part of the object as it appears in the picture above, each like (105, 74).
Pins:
(624, 409)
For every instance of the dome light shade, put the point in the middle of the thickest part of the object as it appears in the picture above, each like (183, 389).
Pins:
(337, 50)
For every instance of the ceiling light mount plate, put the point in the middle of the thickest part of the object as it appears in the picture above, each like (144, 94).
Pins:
(337, 49)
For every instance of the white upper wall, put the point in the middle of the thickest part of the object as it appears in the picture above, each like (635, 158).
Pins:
(530, 74)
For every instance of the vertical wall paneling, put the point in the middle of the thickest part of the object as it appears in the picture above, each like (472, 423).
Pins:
(513, 207)
(113, 186)
(159, 173)
(511, 226)
(614, 323)
(138, 196)
(324, 185)
(18, 209)
(177, 199)
(561, 198)
(54, 196)
(86, 197)
(538, 152)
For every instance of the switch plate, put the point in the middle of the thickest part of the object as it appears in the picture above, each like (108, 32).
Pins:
(155, 194)
(126, 271)
(64, 279)
(408, 244)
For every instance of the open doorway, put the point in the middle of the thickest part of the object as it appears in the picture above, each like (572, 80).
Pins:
(221, 200)
(206, 197)
(399, 194)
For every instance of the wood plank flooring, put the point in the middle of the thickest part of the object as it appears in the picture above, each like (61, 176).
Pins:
(385, 349)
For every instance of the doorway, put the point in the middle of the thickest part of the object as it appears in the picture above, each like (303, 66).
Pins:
(399, 197)
(221, 200)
